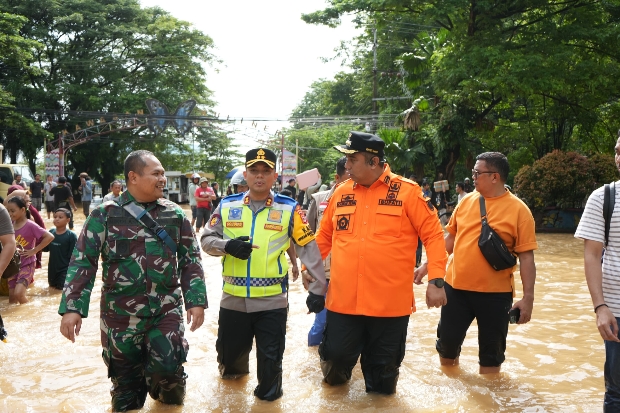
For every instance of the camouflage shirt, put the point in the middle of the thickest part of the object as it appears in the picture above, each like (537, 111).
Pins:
(141, 275)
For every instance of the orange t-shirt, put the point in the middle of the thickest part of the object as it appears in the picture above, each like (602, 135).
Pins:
(372, 234)
(510, 218)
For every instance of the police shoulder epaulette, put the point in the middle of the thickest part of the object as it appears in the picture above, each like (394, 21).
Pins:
(233, 197)
(282, 199)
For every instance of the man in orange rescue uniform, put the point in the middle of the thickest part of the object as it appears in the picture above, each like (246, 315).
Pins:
(371, 226)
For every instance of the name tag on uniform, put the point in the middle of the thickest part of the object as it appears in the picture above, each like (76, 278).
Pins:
(347, 200)
(234, 224)
(273, 227)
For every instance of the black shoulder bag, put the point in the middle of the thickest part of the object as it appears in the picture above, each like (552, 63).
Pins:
(609, 201)
(492, 246)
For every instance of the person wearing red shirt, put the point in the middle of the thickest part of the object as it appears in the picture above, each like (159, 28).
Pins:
(204, 195)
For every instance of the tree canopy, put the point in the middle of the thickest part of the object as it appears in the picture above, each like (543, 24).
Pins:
(521, 77)
(102, 56)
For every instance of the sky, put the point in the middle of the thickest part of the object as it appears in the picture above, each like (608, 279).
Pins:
(270, 56)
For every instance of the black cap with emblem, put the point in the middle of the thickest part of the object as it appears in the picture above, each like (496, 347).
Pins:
(362, 142)
(260, 155)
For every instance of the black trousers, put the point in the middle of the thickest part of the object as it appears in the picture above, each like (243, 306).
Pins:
(379, 340)
(234, 343)
(491, 313)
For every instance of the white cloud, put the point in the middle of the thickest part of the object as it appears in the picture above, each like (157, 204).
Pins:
(270, 56)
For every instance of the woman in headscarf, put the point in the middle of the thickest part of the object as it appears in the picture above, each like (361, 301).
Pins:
(16, 190)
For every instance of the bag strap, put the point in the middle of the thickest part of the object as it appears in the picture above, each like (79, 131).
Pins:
(145, 218)
(483, 211)
(609, 201)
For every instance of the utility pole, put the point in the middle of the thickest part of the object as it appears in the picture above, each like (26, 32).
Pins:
(61, 156)
(282, 160)
(373, 125)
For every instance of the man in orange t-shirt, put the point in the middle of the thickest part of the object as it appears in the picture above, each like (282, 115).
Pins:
(371, 226)
(473, 288)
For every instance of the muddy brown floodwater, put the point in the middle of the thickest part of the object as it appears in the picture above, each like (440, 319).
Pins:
(554, 363)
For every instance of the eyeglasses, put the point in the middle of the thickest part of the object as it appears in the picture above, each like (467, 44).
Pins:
(475, 173)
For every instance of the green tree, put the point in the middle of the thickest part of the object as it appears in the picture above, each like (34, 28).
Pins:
(561, 179)
(15, 53)
(218, 153)
(329, 97)
(516, 76)
(107, 56)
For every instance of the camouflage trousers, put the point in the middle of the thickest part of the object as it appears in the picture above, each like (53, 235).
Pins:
(144, 355)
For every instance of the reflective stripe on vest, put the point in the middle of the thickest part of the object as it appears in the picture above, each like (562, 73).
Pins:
(264, 273)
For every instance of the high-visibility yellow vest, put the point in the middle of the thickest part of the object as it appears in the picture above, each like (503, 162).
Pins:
(264, 273)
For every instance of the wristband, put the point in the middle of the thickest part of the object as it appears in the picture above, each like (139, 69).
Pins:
(599, 306)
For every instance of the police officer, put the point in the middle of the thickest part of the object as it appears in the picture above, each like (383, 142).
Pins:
(252, 232)
(371, 226)
(317, 206)
(150, 255)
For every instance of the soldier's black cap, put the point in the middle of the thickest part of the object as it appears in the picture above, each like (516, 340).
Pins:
(362, 142)
(260, 155)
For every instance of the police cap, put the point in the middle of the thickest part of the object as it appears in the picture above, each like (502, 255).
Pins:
(260, 155)
(362, 142)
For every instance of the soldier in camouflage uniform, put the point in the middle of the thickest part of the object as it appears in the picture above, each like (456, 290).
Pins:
(142, 329)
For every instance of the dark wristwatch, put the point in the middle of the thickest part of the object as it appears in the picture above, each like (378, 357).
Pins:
(438, 282)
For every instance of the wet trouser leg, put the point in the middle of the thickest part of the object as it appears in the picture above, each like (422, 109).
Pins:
(383, 352)
(270, 331)
(234, 343)
(144, 355)
(456, 317)
(123, 354)
(343, 341)
(491, 313)
(612, 376)
(166, 350)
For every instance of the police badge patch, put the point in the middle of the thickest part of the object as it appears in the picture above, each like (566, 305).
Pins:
(275, 215)
(215, 219)
(234, 213)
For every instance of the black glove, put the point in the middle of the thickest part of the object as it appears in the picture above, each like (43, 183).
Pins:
(315, 303)
(239, 248)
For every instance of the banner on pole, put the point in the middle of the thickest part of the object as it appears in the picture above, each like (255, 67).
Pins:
(289, 164)
(52, 164)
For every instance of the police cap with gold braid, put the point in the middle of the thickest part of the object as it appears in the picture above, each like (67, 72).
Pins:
(362, 142)
(260, 155)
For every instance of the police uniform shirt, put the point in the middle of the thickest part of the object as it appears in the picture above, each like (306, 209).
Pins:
(213, 243)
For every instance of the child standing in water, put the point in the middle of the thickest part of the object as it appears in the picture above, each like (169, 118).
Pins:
(30, 238)
(60, 249)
